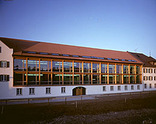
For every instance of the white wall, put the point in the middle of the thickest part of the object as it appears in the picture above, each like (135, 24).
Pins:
(148, 82)
(6, 55)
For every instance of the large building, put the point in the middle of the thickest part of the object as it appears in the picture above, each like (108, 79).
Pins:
(149, 71)
(31, 69)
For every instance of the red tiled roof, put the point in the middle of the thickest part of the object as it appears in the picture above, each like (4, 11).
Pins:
(25, 45)
(145, 59)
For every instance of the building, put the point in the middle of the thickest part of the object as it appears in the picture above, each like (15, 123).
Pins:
(149, 71)
(31, 69)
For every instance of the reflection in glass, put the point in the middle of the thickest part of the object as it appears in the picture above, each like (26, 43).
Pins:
(87, 79)
(103, 68)
(103, 79)
(111, 68)
(87, 67)
(77, 67)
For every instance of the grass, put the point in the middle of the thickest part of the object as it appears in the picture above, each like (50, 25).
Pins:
(135, 109)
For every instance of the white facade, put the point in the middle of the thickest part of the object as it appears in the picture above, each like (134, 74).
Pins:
(149, 78)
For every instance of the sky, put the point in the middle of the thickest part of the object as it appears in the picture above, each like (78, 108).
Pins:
(123, 25)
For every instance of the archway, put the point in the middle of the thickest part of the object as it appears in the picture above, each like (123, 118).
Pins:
(79, 91)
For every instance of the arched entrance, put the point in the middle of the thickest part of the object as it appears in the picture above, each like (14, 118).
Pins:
(79, 91)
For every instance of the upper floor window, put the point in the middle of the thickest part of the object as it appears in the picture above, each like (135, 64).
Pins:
(4, 64)
(154, 70)
(4, 78)
(0, 49)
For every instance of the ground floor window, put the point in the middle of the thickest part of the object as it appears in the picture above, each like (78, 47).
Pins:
(119, 87)
(31, 91)
(132, 87)
(48, 90)
(104, 88)
(111, 88)
(19, 91)
(145, 86)
(63, 90)
(126, 88)
(138, 87)
(150, 85)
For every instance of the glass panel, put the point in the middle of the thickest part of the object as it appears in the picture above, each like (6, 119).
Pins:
(67, 66)
(18, 79)
(44, 78)
(45, 65)
(126, 79)
(87, 67)
(67, 79)
(132, 70)
(111, 68)
(33, 65)
(77, 67)
(103, 79)
(95, 79)
(132, 79)
(118, 69)
(87, 79)
(77, 79)
(119, 79)
(57, 79)
(111, 79)
(95, 67)
(57, 66)
(125, 69)
(33, 79)
(137, 79)
(103, 68)
(137, 70)
(18, 64)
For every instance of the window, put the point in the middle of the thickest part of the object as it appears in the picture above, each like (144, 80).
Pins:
(103, 68)
(4, 64)
(132, 69)
(19, 64)
(48, 91)
(0, 49)
(67, 66)
(87, 67)
(111, 79)
(118, 69)
(33, 65)
(96, 79)
(68, 79)
(137, 69)
(138, 87)
(63, 89)
(144, 70)
(57, 79)
(103, 79)
(125, 69)
(95, 67)
(19, 91)
(132, 87)
(77, 66)
(31, 91)
(111, 68)
(4, 78)
(118, 79)
(144, 78)
(154, 70)
(155, 78)
(151, 70)
(126, 88)
(104, 88)
(145, 86)
(119, 87)
(57, 66)
(150, 85)
(111, 88)
(87, 79)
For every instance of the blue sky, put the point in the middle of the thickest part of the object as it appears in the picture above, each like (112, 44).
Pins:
(124, 25)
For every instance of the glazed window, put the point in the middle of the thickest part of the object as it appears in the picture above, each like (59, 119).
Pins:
(19, 91)
(96, 79)
(33, 65)
(45, 79)
(126, 79)
(132, 69)
(125, 69)
(111, 69)
(45, 65)
(87, 79)
(126, 88)
(48, 90)
(77, 67)
(57, 79)
(103, 79)
(95, 67)
(119, 88)
(104, 88)
(145, 86)
(63, 90)
(68, 79)
(87, 67)
(111, 88)
(31, 91)
(132, 87)
(103, 68)
(19, 64)
(67, 66)
(118, 69)
(4, 78)
(33, 79)
(111, 79)
(132, 79)
(57, 66)
(118, 79)
(138, 87)
(137, 69)
(4, 64)
(77, 79)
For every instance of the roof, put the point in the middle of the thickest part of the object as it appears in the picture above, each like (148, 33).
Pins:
(148, 61)
(19, 46)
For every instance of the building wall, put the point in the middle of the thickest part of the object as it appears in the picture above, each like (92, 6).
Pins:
(6, 86)
(149, 78)
(40, 91)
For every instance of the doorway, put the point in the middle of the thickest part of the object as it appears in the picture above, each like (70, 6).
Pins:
(79, 91)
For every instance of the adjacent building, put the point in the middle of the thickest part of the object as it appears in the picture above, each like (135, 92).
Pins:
(32, 69)
(149, 71)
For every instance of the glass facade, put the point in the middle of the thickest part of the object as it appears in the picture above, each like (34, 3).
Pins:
(60, 72)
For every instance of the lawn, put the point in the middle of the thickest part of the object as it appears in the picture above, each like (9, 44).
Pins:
(129, 109)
